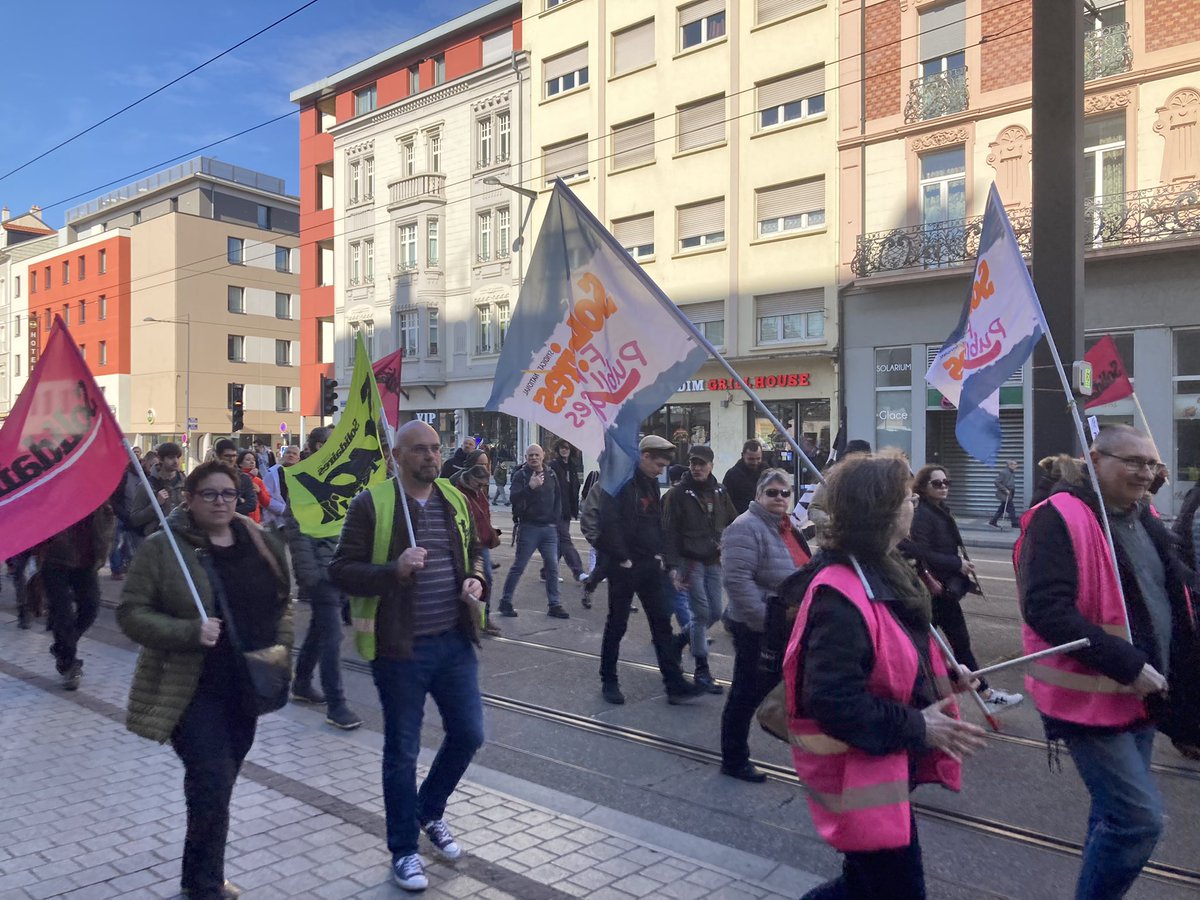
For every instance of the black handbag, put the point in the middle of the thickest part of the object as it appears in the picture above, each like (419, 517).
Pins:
(268, 670)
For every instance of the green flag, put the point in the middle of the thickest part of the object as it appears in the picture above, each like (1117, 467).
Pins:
(321, 487)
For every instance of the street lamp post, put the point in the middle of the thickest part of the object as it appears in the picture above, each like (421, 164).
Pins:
(186, 322)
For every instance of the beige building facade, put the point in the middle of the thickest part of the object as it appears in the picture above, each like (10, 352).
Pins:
(703, 135)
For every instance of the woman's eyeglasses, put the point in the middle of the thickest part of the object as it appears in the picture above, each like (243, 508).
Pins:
(229, 495)
(940, 482)
(777, 492)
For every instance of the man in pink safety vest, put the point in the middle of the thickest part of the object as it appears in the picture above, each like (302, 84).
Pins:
(1104, 702)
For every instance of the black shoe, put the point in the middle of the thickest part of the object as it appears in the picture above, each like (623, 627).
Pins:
(747, 771)
(304, 692)
(495, 565)
(703, 679)
(507, 610)
(341, 716)
(557, 612)
(993, 525)
(612, 693)
(72, 675)
(228, 891)
(23, 620)
(683, 692)
(587, 599)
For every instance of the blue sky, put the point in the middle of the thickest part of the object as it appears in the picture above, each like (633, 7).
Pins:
(67, 65)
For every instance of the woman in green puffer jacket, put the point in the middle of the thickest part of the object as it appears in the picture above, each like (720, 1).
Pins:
(190, 686)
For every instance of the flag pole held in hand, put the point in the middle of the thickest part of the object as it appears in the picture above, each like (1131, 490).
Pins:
(1081, 644)
(954, 668)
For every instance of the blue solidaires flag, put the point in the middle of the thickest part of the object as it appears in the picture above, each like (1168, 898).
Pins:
(594, 346)
(999, 327)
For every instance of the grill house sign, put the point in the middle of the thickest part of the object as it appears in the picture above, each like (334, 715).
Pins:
(757, 382)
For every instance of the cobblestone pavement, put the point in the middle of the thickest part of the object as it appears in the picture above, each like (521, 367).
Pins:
(88, 810)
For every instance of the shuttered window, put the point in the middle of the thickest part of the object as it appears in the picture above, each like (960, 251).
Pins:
(709, 318)
(700, 124)
(701, 22)
(636, 234)
(770, 10)
(790, 207)
(633, 143)
(800, 95)
(943, 31)
(701, 224)
(567, 71)
(566, 161)
(497, 46)
(790, 316)
(633, 47)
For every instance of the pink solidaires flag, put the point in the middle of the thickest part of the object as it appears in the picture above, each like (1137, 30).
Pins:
(61, 451)
(387, 377)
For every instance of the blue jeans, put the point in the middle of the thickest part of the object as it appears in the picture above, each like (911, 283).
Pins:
(1126, 815)
(682, 608)
(323, 643)
(543, 539)
(443, 666)
(122, 550)
(704, 596)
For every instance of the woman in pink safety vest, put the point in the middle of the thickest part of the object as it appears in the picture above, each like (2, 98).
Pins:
(869, 695)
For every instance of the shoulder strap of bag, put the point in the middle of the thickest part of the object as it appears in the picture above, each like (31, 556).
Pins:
(222, 601)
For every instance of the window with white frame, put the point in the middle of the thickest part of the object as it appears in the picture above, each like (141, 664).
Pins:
(414, 80)
(433, 144)
(566, 71)
(633, 47)
(701, 224)
(798, 206)
(104, 353)
(433, 315)
(709, 319)
(943, 186)
(503, 316)
(566, 160)
(942, 39)
(102, 307)
(485, 334)
(235, 347)
(483, 236)
(235, 302)
(636, 234)
(283, 305)
(439, 69)
(700, 124)
(633, 143)
(365, 100)
(432, 251)
(1104, 159)
(283, 260)
(791, 98)
(368, 178)
(408, 330)
(103, 261)
(366, 328)
(406, 241)
(283, 353)
(503, 136)
(770, 10)
(790, 317)
(700, 23)
(283, 399)
(355, 262)
(233, 253)
(408, 156)
(502, 232)
(483, 142)
(369, 261)
(355, 179)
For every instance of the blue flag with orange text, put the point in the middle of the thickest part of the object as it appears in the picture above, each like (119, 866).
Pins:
(594, 347)
(999, 327)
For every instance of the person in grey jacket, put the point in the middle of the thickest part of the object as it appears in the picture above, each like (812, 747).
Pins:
(1006, 489)
(759, 549)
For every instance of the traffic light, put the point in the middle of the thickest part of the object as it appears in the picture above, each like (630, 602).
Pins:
(237, 411)
(329, 397)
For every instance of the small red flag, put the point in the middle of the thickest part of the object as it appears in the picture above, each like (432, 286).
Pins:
(61, 451)
(1110, 382)
(387, 376)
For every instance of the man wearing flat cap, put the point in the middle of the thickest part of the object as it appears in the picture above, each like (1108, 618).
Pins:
(631, 535)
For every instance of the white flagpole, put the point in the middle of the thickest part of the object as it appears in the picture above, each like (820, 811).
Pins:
(162, 521)
(1081, 644)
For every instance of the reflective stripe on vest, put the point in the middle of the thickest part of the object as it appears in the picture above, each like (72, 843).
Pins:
(860, 802)
(1061, 686)
(364, 610)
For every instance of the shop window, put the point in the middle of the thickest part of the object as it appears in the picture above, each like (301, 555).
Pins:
(808, 421)
(893, 398)
(1187, 405)
(684, 424)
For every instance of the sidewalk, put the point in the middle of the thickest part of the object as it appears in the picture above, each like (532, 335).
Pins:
(976, 533)
(88, 810)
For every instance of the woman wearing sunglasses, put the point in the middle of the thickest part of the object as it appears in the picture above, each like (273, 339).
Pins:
(936, 543)
(759, 549)
(190, 685)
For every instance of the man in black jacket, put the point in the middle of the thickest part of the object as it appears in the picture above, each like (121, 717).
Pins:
(227, 452)
(1114, 761)
(537, 502)
(563, 465)
(458, 458)
(742, 478)
(631, 536)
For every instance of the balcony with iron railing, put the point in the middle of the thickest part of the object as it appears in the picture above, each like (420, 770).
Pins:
(415, 188)
(1124, 220)
(937, 95)
(1107, 51)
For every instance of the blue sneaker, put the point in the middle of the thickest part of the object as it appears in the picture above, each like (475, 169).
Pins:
(439, 835)
(409, 873)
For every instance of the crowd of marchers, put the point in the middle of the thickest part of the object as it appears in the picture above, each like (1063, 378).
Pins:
(831, 607)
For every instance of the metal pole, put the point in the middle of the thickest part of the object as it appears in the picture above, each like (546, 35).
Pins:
(187, 389)
(1081, 644)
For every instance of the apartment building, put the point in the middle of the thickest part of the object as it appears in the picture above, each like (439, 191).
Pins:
(403, 241)
(704, 136)
(934, 106)
(181, 292)
(21, 237)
